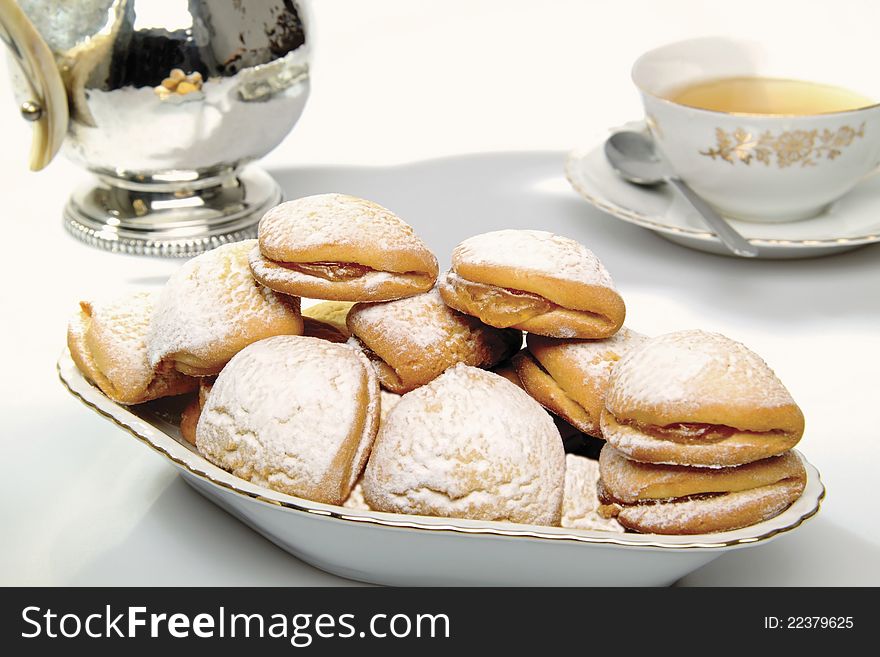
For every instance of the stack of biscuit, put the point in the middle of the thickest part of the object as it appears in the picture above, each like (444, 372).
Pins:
(699, 434)
(408, 391)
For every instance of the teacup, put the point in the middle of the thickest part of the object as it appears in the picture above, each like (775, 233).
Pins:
(758, 167)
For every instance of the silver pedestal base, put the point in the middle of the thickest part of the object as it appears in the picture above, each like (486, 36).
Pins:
(175, 219)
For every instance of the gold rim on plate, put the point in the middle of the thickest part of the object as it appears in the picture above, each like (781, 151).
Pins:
(76, 385)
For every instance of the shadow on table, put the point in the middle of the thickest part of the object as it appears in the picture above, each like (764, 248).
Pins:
(452, 198)
(192, 526)
(823, 554)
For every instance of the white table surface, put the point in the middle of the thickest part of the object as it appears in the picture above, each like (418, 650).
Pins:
(397, 83)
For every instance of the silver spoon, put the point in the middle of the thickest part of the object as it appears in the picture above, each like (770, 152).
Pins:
(633, 156)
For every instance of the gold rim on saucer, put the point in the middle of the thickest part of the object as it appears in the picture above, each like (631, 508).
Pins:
(577, 158)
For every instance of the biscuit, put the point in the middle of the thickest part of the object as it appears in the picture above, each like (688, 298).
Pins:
(356, 499)
(387, 401)
(570, 377)
(470, 444)
(342, 248)
(315, 328)
(189, 418)
(211, 308)
(535, 281)
(580, 501)
(670, 499)
(701, 399)
(568, 433)
(326, 320)
(294, 414)
(107, 342)
(412, 341)
(506, 369)
(330, 312)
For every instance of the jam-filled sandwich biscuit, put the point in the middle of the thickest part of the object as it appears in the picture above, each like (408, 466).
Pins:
(570, 377)
(697, 398)
(569, 434)
(294, 414)
(211, 308)
(107, 341)
(189, 418)
(343, 248)
(470, 444)
(412, 341)
(535, 281)
(671, 499)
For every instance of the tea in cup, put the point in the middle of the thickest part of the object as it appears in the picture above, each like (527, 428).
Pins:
(754, 134)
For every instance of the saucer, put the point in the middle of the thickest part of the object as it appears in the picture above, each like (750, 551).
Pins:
(846, 224)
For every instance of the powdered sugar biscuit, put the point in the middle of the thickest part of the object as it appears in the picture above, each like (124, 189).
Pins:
(669, 499)
(570, 377)
(211, 308)
(535, 281)
(387, 401)
(412, 341)
(470, 444)
(340, 247)
(580, 502)
(107, 341)
(697, 398)
(294, 414)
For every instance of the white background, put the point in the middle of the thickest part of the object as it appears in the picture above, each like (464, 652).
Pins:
(396, 82)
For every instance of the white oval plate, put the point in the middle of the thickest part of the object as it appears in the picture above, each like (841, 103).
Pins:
(387, 548)
(849, 223)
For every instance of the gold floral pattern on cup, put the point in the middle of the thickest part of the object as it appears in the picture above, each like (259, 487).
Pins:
(791, 147)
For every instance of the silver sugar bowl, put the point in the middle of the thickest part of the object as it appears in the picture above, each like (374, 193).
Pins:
(165, 102)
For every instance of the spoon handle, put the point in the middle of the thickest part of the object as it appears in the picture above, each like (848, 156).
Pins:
(725, 232)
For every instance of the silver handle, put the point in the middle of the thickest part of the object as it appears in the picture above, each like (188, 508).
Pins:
(46, 108)
(725, 232)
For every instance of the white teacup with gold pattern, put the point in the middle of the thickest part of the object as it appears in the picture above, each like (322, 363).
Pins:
(769, 167)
